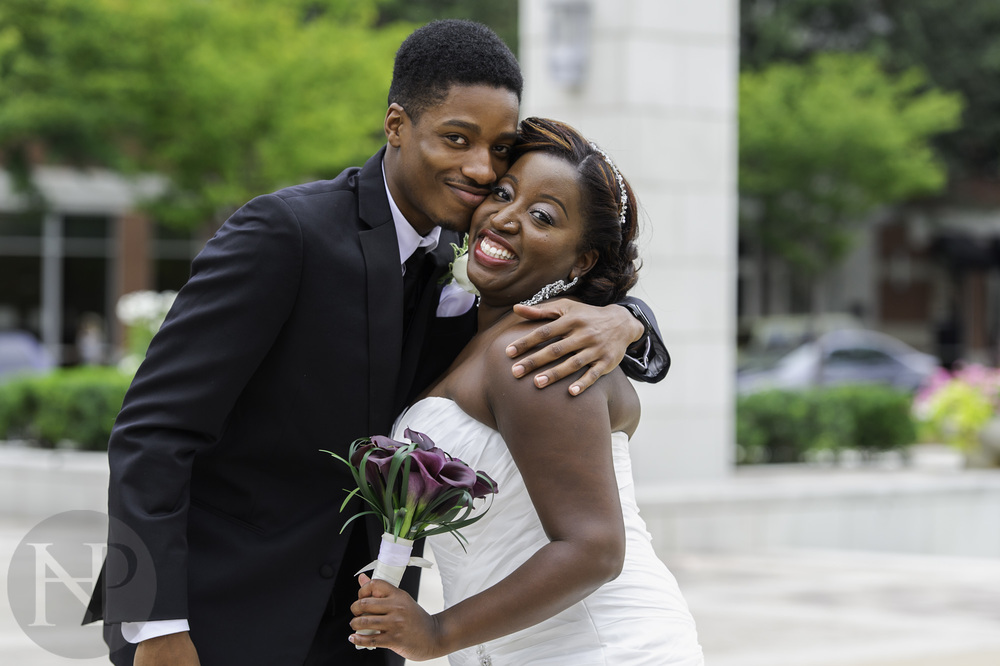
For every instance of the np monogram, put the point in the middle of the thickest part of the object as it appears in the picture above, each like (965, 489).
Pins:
(54, 571)
(46, 564)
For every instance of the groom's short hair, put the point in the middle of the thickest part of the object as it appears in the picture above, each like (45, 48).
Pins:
(450, 52)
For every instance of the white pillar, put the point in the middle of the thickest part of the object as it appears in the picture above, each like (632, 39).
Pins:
(52, 287)
(659, 93)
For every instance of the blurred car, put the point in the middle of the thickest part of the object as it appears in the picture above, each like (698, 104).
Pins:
(848, 356)
(20, 352)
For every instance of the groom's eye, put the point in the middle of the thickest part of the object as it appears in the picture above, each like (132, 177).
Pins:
(501, 193)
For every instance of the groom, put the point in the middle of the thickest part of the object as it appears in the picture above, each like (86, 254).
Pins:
(294, 335)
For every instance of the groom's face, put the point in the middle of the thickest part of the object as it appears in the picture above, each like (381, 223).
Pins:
(446, 162)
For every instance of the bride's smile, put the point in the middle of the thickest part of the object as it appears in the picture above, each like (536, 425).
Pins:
(529, 232)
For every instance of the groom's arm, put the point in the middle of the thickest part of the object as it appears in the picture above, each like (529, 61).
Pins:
(584, 335)
(646, 360)
(171, 412)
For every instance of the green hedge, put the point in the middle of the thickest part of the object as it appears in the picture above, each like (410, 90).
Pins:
(785, 426)
(74, 406)
(79, 406)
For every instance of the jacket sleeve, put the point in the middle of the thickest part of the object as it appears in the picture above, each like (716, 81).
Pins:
(221, 326)
(648, 359)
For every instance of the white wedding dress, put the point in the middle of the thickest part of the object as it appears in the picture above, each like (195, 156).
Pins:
(638, 619)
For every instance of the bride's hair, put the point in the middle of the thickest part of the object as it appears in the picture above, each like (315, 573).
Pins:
(607, 228)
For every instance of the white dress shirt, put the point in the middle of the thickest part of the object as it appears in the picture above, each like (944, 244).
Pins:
(454, 300)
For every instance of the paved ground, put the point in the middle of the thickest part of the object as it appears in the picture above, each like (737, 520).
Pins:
(796, 608)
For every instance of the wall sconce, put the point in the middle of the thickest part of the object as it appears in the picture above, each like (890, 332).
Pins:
(569, 30)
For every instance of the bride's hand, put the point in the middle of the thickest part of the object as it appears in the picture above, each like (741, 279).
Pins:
(580, 334)
(404, 627)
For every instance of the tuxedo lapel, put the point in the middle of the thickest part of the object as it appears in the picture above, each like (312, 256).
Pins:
(384, 286)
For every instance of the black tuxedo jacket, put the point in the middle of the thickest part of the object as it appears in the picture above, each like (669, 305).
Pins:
(287, 339)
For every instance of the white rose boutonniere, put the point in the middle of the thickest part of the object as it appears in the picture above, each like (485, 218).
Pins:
(458, 271)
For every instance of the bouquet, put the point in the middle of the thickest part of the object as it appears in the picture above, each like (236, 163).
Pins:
(417, 490)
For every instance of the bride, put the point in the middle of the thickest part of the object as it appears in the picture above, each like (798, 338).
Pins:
(561, 569)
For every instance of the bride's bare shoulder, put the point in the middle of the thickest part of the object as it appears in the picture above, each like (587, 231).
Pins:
(613, 390)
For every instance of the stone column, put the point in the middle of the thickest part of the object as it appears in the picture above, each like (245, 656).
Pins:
(654, 82)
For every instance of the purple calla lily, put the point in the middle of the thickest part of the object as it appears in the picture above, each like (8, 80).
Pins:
(483, 486)
(377, 467)
(421, 485)
(431, 492)
(383, 442)
(458, 475)
(422, 441)
(381, 447)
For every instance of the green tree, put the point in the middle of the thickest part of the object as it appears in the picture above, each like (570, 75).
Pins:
(227, 99)
(501, 15)
(954, 43)
(824, 143)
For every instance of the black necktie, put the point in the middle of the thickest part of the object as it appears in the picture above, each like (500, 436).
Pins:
(413, 283)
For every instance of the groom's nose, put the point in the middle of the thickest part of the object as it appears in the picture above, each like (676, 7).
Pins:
(478, 166)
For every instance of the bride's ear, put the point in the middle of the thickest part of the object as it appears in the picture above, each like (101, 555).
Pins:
(584, 263)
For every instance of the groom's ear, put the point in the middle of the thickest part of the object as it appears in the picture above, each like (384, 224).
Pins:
(395, 119)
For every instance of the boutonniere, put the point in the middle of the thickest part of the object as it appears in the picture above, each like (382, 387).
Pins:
(458, 270)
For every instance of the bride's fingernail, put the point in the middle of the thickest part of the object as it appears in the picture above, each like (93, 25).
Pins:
(541, 380)
(512, 351)
(575, 390)
(518, 369)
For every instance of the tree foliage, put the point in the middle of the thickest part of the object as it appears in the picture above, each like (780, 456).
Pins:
(501, 15)
(228, 99)
(825, 142)
(953, 42)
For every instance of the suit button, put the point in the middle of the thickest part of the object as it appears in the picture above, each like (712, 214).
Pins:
(326, 571)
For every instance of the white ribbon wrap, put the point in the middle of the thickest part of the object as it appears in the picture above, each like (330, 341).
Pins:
(393, 558)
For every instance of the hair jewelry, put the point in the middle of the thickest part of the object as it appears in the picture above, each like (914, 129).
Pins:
(549, 290)
(621, 184)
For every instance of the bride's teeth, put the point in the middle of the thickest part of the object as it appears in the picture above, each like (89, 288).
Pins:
(495, 251)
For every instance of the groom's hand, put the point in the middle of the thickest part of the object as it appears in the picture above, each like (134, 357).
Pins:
(580, 334)
(170, 650)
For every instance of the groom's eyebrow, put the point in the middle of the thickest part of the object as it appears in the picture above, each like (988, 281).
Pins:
(473, 127)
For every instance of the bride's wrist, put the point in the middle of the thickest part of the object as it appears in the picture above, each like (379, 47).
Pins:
(447, 636)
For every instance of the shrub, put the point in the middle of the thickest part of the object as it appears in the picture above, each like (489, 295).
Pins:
(76, 405)
(771, 426)
(16, 408)
(880, 416)
(782, 426)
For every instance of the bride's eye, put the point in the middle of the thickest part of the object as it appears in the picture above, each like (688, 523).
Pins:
(542, 216)
(502, 193)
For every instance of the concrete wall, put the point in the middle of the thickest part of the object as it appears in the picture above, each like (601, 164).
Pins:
(660, 96)
(36, 483)
(779, 507)
(947, 511)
